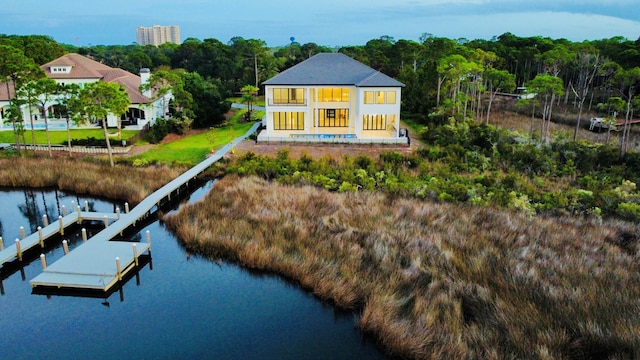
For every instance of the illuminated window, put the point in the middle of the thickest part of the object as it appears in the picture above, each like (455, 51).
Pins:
(333, 118)
(379, 97)
(374, 122)
(288, 96)
(391, 97)
(377, 121)
(288, 121)
(333, 94)
(368, 97)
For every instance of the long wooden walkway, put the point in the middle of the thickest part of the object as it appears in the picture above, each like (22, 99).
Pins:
(92, 265)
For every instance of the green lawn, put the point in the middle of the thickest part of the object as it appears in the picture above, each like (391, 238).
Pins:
(186, 151)
(60, 137)
(259, 101)
(193, 149)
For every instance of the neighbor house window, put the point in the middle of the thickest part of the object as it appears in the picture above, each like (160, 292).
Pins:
(333, 118)
(379, 97)
(288, 96)
(288, 121)
(333, 94)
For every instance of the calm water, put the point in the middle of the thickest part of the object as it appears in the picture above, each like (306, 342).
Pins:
(179, 306)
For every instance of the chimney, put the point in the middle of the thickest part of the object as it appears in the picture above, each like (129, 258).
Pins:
(145, 74)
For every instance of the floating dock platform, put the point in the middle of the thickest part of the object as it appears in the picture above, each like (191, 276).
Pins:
(96, 265)
(100, 264)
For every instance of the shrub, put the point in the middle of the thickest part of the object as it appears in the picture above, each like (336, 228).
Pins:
(629, 211)
(158, 131)
(92, 141)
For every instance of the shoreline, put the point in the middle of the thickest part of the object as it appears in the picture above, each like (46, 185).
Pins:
(432, 280)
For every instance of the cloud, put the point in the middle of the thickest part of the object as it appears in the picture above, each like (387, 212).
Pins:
(330, 22)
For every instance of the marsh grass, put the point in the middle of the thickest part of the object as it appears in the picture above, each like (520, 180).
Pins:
(435, 280)
(85, 177)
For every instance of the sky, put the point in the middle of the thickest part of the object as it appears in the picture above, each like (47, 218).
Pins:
(328, 23)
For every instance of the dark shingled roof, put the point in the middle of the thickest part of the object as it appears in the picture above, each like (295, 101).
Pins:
(332, 69)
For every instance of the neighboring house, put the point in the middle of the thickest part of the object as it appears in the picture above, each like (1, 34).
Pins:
(6, 92)
(331, 97)
(78, 69)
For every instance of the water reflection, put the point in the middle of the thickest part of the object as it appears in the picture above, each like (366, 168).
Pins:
(176, 306)
(27, 207)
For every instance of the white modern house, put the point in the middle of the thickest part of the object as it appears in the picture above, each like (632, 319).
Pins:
(77, 69)
(331, 97)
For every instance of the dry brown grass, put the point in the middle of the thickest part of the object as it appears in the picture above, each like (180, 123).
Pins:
(517, 122)
(83, 177)
(435, 280)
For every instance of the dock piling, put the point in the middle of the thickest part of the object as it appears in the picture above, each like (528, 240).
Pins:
(149, 239)
(135, 254)
(84, 235)
(73, 205)
(40, 237)
(126, 208)
(45, 220)
(64, 210)
(43, 260)
(22, 235)
(118, 270)
(61, 225)
(1, 244)
(86, 206)
(106, 221)
(79, 214)
(65, 246)
(18, 251)
(118, 212)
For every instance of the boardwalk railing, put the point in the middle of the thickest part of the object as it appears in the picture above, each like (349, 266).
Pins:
(77, 149)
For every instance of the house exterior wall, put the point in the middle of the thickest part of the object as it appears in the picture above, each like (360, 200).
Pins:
(312, 107)
(389, 110)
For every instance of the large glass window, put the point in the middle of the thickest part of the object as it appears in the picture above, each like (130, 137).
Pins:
(379, 97)
(333, 118)
(391, 97)
(333, 94)
(368, 97)
(377, 121)
(288, 96)
(288, 121)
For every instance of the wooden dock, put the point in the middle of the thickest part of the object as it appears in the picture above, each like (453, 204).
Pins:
(38, 239)
(93, 266)
(99, 263)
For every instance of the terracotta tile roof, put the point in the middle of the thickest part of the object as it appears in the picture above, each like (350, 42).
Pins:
(85, 68)
(81, 67)
(3, 91)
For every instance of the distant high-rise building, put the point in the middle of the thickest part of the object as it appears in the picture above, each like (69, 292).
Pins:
(158, 35)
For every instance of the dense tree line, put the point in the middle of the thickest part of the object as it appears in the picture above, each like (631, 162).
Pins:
(443, 77)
